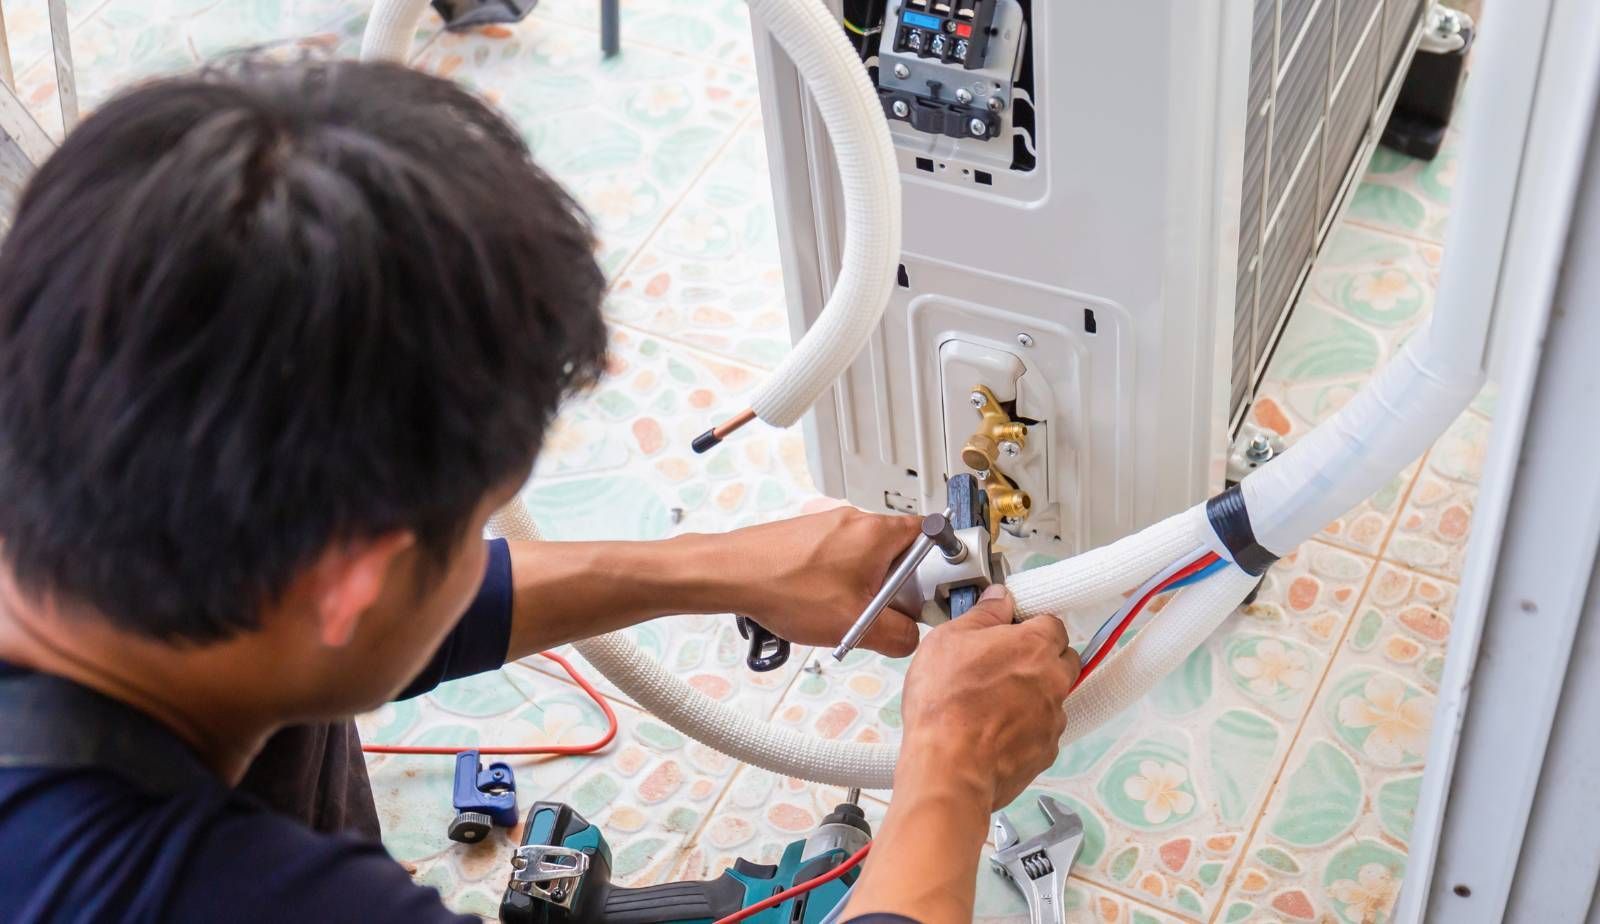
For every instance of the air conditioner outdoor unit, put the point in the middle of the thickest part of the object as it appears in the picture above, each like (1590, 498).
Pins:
(1109, 208)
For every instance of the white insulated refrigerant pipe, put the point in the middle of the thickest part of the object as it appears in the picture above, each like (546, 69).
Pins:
(1380, 431)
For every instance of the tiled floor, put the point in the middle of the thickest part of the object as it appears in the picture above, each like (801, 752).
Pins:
(1271, 779)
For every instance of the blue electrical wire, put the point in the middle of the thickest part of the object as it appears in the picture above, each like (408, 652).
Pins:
(1200, 575)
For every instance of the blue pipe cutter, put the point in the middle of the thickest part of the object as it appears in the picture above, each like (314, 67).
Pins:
(483, 798)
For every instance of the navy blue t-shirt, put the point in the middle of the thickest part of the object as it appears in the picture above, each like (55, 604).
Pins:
(105, 815)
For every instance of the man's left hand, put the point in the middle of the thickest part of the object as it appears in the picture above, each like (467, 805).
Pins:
(808, 578)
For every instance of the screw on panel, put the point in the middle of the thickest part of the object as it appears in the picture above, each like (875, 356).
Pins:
(963, 95)
(978, 127)
(978, 400)
(901, 71)
(1259, 449)
(901, 109)
(1009, 449)
(1025, 340)
(996, 104)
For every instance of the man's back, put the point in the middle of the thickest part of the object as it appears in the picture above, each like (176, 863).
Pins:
(105, 815)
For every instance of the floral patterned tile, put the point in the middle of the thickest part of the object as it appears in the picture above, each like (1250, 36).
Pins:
(999, 902)
(760, 814)
(1406, 195)
(649, 791)
(628, 136)
(624, 449)
(630, 440)
(1168, 791)
(1431, 533)
(27, 25)
(711, 30)
(126, 41)
(857, 699)
(710, 276)
(1331, 845)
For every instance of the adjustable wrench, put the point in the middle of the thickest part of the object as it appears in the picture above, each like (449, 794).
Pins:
(1039, 865)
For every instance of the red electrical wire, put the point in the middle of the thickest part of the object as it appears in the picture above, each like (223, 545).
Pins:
(849, 864)
(1195, 566)
(590, 748)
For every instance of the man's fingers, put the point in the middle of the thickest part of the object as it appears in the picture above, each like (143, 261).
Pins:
(1074, 666)
(894, 635)
(1051, 633)
(994, 608)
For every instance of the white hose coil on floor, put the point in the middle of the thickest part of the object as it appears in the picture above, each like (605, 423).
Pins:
(869, 177)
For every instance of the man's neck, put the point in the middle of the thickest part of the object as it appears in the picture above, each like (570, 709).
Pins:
(192, 691)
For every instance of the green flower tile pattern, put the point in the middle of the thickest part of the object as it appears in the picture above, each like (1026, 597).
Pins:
(1271, 778)
(1332, 841)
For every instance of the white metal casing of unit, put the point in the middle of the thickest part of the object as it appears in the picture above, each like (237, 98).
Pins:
(1108, 269)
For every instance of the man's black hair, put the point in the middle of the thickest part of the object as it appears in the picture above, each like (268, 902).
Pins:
(250, 314)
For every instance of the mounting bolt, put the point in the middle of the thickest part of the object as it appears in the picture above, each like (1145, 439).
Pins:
(901, 109)
(996, 104)
(1259, 449)
(1025, 340)
(979, 401)
(978, 127)
(963, 96)
(901, 71)
(1010, 449)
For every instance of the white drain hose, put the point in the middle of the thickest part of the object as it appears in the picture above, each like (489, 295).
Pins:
(868, 175)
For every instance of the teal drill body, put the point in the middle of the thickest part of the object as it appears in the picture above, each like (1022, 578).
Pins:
(573, 882)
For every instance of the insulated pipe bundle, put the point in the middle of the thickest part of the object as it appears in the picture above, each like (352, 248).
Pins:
(1381, 430)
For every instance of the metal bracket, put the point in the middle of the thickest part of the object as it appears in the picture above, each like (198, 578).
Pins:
(548, 872)
(1254, 447)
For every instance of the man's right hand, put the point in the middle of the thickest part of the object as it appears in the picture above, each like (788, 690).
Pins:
(983, 717)
(983, 698)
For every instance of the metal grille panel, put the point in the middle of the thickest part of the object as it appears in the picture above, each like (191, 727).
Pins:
(1317, 70)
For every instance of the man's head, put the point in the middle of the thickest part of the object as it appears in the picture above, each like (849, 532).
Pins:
(274, 340)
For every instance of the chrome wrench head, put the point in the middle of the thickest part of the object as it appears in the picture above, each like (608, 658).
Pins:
(1039, 865)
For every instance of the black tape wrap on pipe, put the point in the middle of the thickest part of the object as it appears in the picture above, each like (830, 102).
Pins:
(1232, 524)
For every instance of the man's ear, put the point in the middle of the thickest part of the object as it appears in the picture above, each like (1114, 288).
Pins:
(347, 580)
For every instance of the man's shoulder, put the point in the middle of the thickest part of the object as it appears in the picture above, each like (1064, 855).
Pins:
(207, 854)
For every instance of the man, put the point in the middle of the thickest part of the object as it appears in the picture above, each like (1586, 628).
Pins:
(275, 343)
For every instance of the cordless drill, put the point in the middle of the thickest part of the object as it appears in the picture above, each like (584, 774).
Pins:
(562, 873)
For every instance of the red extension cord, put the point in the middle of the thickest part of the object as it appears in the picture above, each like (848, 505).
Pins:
(567, 749)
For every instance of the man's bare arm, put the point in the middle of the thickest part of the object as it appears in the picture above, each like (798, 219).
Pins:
(805, 579)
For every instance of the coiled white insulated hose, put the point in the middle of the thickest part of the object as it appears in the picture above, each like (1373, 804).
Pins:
(1379, 432)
